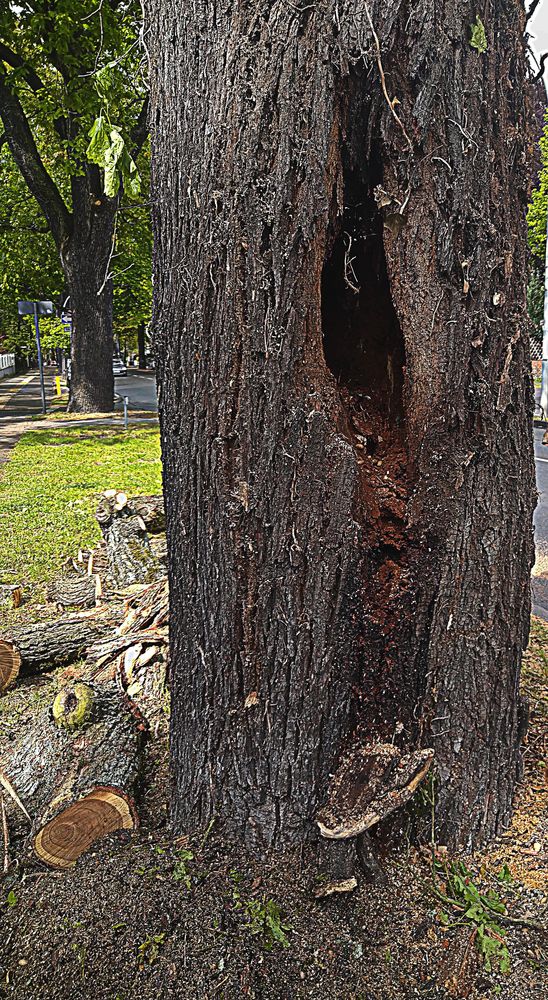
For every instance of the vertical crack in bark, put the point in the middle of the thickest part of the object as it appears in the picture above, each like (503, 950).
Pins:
(364, 349)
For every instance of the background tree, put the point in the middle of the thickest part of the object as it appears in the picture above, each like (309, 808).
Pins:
(132, 275)
(73, 107)
(536, 222)
(339, 195)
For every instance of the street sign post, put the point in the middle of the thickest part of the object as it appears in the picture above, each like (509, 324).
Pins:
(36, 309)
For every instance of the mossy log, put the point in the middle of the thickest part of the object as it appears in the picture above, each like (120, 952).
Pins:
(77, 783)
(44, 645)
(130, 557)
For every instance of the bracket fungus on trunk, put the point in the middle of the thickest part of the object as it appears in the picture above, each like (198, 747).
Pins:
(371, 782)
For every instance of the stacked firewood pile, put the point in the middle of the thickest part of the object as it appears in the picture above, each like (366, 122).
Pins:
(73, 773)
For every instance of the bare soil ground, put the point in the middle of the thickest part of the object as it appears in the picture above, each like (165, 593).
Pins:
(147, 917)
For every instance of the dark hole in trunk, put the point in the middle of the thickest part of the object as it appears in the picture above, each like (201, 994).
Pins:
(362, 339)
(364, 349)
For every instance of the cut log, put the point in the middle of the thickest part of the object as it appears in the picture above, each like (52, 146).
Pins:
(74, 706)
(147, 609)
(10, 664)
(77, 785)
(45, 645)
(130, 557)
(78, 590)
(137, 661)
(151, 511)
(371, 782)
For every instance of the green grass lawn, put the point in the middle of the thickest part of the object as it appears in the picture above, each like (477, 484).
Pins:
(49, 487)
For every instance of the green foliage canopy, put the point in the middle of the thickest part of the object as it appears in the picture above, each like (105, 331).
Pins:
(537, 220)
(75, 69)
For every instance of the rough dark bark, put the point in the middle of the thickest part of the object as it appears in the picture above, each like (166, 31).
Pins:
(77, 785)
(141, 345)
(45, 645)
(86, 259)
(345, 400)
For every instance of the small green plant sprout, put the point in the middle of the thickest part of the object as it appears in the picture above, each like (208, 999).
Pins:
(80, 952)
(150, 949)
(264, 919)
(11, 898)
(505, 875)
(478, 39)
(180, 870)
(476, 910)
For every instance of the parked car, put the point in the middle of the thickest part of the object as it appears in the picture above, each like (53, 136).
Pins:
(119, 369)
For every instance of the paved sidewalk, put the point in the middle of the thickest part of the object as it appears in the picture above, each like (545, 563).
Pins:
(21, 400)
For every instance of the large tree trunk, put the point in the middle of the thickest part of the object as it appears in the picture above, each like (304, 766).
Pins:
(86, 260)
(141, 345)
(345, 400)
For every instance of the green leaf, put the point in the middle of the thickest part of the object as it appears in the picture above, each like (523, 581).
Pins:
(12, 898)
(478, 39)
(505, 875)
(99, 141)
(107, 148)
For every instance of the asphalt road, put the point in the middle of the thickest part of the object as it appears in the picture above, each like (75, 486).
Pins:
(140, 387)
(20, 396)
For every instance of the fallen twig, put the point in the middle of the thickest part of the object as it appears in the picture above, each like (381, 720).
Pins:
(7, 785)
(5, 834)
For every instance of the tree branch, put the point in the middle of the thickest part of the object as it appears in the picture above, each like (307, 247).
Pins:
(25, 153)
(14, 60)
(140, 130)
(532, 10)
(541, 66)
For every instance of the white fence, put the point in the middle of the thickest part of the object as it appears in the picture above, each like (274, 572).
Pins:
(7, 365)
